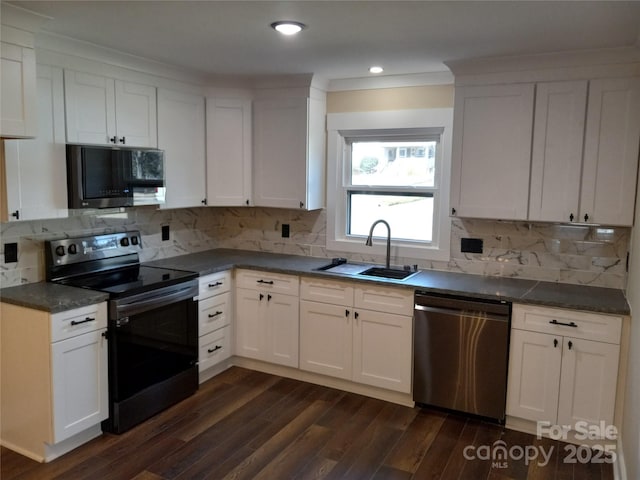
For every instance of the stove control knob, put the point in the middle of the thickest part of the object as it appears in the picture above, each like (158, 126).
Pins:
(60, 251)
(134, 240)
(124, 242)
(73, 249)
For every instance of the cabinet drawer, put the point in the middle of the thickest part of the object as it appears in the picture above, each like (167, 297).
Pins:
(589, 326)
(78, 321)
(214, 347)
(213, 284)
(267, 281)
(214, 313)
(384, 299)
(326, 291)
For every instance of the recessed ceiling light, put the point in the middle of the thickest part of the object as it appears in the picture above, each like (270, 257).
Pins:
(376, 69)
(287, 27)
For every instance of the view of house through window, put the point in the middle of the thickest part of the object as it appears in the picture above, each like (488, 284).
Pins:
(392, 178)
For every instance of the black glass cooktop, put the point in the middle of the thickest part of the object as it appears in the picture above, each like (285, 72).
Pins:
(130, 280)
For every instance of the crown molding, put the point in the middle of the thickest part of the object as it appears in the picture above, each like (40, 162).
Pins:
(391, 81)
(584, 59)
(21, 18)
(67, 52)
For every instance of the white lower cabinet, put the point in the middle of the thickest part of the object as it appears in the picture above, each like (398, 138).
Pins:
(357, 333)
(267, 317)
(54, 379)
(79, 383)
(214, 320)
(563, 366)
(326, 339)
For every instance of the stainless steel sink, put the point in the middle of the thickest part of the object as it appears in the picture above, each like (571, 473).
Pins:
(345, 268)
(394, 273)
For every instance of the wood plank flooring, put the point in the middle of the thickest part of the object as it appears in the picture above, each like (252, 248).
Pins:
(251, 425)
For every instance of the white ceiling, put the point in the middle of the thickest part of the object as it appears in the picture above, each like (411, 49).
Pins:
(342, 39)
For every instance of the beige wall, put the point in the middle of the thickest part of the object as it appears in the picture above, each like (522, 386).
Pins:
(405, 98)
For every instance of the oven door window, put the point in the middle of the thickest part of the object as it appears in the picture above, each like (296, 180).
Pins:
(150, 347)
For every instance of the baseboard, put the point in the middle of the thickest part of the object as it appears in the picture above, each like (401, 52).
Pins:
(403, 399)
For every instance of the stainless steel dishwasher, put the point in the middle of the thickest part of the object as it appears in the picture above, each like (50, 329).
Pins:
(460, 354)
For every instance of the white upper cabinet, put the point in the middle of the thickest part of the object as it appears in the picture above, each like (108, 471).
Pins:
(18, 91)
(36, 168)
(556, 161)
(611, 152)
(288, 152)
(229, 152)
(102, 110)
(577, 162)
(492, 151)
(596, 185)
(181, 134)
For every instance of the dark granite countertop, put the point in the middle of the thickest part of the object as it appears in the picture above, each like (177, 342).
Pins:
(50, 297)
(578, 297)
(56, 298)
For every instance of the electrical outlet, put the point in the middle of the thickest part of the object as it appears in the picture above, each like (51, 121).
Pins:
(471, 245)
(285, 230)
(10, 253)
(165, 232)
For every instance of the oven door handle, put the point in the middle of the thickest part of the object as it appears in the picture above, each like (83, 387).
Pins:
(158, 299)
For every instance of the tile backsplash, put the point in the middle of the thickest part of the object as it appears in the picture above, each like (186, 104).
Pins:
(575, 254)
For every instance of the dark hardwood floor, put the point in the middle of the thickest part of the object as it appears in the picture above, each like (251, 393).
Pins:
(250, 425)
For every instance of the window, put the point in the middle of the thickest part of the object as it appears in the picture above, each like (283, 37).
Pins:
(398, 173)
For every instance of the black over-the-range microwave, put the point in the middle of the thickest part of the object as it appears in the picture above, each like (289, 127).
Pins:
(104, 176)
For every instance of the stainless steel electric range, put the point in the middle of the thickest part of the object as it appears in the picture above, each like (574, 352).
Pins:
(153, 322)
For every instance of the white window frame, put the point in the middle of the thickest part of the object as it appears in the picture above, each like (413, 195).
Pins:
(345, 125)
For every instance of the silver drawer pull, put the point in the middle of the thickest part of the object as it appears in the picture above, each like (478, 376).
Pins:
(556, 322)
(211, 315)
(86, 320)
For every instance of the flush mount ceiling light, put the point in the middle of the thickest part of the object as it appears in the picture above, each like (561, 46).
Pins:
(376, 69)
(287, 27)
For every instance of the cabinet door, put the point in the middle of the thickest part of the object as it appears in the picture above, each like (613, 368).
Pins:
(534, 375)
(250, 325)
(491, 151)
(326, 338)
(280, 152)
(89, 107)
(36, 168)
(556, 161)
(282, 329)
(80, 386)
(181, 132)
(228, 152)
(611, 152)
(18, 91)
(136, 119)
(589, 379)
(382, 350)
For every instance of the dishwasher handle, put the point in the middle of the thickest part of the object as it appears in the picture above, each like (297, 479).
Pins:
(455, 303)
(471, 313)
